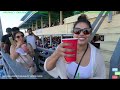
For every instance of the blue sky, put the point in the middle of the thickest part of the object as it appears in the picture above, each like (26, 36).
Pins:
(11, 19)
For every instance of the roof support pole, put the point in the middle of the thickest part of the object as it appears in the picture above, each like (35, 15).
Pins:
(43, 40)
(114, 12)
(32, 26)
(41, 22)
(36, 25)
(61, 17)
(50, 40)
(49, 15)
(29, 26)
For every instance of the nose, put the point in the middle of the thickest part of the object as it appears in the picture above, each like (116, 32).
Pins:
(81, 33)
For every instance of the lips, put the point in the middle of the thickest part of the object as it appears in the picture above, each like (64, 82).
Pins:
(82, 38)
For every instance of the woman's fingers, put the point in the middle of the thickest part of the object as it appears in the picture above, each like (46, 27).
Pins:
(66, 50)
(67, 55)
(64, 44)
(61, 50)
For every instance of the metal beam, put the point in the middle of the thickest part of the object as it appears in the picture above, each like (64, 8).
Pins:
(110, 17)
(115, 60)
(46, 50)
(97, 19)
(29, 16)
(97, 27)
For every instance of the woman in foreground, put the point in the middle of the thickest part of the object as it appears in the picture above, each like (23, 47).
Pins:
(92, 64)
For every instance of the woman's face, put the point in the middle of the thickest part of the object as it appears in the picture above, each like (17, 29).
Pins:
(19, 37)
(82, 32)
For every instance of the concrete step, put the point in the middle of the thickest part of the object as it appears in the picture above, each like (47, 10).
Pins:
(107, 65)
(106, 55)
(109, 30)
(110, 33)
(108, 45)
(111, 36)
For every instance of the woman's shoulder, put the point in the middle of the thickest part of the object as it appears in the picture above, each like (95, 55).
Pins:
(94, 49)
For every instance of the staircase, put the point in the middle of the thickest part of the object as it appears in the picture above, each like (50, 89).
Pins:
(111, 32)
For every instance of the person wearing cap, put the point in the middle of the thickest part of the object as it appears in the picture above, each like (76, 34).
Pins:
(5, 42)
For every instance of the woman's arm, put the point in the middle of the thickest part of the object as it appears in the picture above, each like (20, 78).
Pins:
(13, 53)
(51, 61)
(59, 52)
(99, 68)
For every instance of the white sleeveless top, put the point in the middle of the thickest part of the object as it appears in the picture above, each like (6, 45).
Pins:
(24, 58)
(82, 73)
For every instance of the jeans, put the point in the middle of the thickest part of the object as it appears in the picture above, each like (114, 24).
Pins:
(36, 58)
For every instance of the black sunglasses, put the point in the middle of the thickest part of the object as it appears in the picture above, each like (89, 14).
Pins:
(19, 36)
(85, 31)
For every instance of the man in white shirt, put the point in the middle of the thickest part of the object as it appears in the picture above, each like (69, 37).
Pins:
(31, 39)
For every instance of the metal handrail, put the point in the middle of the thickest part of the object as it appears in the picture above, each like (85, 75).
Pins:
(115, 61)
(99, 20)
(14, 69)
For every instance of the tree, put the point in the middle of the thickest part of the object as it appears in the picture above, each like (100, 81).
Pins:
(78, 12)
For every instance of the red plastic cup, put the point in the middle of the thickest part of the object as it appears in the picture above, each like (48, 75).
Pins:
(73, 42)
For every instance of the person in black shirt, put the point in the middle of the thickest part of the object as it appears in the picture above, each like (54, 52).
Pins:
(5, 42)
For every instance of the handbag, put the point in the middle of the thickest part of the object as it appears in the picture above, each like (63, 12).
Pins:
(30, 65)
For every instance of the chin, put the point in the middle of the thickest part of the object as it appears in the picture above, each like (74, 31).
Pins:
(81, 42)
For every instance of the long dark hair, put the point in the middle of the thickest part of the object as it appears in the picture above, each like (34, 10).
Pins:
(83, 18)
